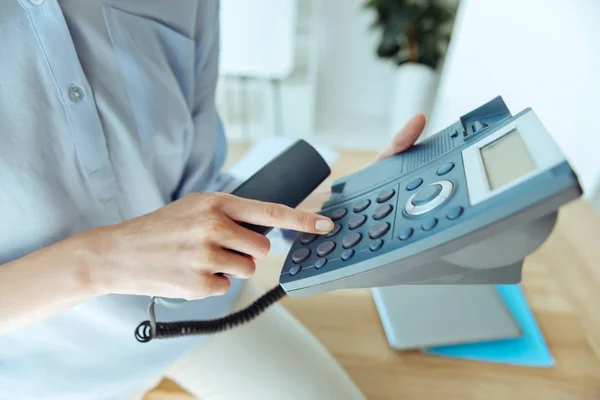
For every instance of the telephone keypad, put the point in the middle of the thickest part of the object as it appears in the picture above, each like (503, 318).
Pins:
(378, 221)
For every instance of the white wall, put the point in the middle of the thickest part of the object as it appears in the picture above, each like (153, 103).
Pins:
(543, 54)
(350, 77)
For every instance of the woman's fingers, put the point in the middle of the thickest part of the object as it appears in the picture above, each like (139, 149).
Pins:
(228, 262)
(237, 238)
(275, 215)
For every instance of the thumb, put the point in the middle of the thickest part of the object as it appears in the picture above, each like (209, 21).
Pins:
(405, 138)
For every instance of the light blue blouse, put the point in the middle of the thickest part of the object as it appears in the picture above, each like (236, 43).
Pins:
(106, 113)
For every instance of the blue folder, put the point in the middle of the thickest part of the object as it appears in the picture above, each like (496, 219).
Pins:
(529, 350)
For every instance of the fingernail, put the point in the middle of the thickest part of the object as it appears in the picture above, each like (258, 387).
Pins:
(324, 225)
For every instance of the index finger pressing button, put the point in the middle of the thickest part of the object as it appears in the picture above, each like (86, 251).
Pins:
(336, 229)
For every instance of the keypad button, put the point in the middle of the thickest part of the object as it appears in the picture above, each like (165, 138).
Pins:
(378, 230)
(382, 211)
(336, 229)
(325, 248)
(429, 224)
(444, 169)
(295, 270)
(300, 255)
(307, 238)
(361, 205)
(385, 195)
(454, 212)
(376, 245)
(320, 263)
(356, 221)
(338, 214)
(351, 240)
(405, 233)
(415, 183)
(426, 194)
(346, 255)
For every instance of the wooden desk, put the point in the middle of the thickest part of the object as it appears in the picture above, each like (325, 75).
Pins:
(561, 281)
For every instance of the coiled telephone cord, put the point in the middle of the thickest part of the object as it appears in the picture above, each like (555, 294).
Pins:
(150, 329)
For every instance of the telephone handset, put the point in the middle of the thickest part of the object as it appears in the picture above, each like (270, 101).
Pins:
(463, 207)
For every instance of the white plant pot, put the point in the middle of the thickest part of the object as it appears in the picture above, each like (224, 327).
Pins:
(413, 92)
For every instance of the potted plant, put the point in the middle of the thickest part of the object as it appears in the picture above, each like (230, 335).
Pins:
(414, 35)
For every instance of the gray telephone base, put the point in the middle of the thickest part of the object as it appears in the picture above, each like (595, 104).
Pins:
(418, 316)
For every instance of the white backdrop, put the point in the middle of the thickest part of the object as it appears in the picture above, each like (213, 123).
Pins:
(543, 54)
(258, 37)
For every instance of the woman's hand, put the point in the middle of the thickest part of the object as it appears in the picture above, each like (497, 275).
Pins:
(180, 250)
(403, 140)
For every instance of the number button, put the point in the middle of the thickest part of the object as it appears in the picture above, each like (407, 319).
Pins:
(356, 221)
(338, 214)
(307, 238)
(351, 240)
(385, 195)
(336, 229)
(378, 230)
(300, 255)
(361, 205)
(325, 248)
(382, 211)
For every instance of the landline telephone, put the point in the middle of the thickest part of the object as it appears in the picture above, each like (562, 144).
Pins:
(463, 207)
